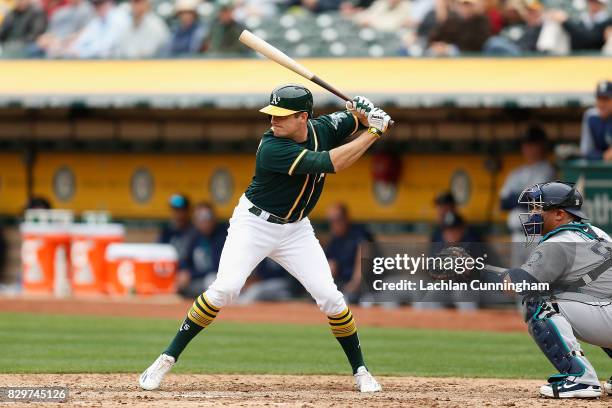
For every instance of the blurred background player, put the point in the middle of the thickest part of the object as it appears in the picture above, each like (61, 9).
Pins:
(535, 168)
(596, 137)
(445, 204)
(342, 250)
(199, 267)
(179, 231)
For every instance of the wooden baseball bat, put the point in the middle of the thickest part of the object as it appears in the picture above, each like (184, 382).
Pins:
(271, 52)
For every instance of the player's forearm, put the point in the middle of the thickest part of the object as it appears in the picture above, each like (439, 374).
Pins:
(344, 156)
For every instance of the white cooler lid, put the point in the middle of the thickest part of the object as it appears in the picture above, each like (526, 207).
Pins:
(141, 252)
(96, 230)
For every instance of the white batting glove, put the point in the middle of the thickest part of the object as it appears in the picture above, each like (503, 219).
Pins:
(360, 104)
(378, 121)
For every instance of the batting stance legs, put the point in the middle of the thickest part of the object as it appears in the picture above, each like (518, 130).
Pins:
(294, 246)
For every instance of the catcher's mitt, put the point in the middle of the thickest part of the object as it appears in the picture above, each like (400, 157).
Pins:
(452, 265)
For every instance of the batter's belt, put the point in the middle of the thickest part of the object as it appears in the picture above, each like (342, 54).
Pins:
(266, 216)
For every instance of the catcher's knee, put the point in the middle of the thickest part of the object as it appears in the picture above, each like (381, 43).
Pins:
(546, 334)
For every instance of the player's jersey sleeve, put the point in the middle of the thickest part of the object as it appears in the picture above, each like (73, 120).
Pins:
(549, 261)
(340, 125)
(285, 156)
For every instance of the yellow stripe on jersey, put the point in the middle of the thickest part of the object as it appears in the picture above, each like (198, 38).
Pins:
(356, 123)
(296, 162)
(314, 181)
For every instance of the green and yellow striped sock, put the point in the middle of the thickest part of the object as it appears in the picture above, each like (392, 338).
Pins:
(201, 314)
(344, 329)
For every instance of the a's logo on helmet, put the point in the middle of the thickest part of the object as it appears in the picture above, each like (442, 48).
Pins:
(274, 100)
(577, 201)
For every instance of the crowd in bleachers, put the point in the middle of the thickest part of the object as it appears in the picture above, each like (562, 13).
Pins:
(302, 28)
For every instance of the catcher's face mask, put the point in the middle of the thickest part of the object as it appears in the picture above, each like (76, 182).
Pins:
(532, 220)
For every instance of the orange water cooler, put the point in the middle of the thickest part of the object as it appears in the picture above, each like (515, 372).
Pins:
(89, 268)
(45, 252)
(143, 269)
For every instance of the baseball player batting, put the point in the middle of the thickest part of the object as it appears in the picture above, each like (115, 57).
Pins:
(271, 218)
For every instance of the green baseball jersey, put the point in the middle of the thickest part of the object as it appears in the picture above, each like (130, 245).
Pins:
(289, 176)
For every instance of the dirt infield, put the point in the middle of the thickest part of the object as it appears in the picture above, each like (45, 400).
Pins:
(290, 312)
(99, 390)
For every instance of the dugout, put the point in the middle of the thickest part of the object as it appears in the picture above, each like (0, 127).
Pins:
(139, 130)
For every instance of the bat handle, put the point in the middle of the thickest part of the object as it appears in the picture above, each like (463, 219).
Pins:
(336, 92)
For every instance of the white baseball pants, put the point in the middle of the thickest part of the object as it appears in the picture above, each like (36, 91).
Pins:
(294, 246)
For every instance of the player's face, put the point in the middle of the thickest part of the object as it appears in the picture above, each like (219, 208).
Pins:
(554, 219)
(288, 126)
(604, 106)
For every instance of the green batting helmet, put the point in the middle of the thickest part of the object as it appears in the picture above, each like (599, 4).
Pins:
(289, 99)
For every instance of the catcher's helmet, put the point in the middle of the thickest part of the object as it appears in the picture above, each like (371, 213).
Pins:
(289, 99)
(548, 196)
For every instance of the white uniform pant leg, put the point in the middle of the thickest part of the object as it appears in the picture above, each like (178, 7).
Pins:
(249, 240)
(567, 334)
(300, 253)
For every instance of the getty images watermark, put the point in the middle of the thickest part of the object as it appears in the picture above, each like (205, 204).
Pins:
(426, 272)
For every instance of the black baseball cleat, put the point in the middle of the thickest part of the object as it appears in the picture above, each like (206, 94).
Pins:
(570, 389)
(608, 386)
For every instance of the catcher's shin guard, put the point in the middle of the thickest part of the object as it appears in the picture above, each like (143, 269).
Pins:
(546, 335)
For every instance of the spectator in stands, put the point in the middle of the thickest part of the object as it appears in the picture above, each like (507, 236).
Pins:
(147, 35)
(101, 36)
(535, 169)
(270, 282)
(607, 48)
(51, 6)
(494, 14)
(349, 8)
(342, 251)
(587, 32)
(444, 204)
(596, 138)
(262, 9)
(224, 33)
(385, 15)
(521, 35)
(5, 7)
(21, 27)
(199, 268)
(315, 6)
(187, 38)
(179, 231)
(64, 26)
(463, 28)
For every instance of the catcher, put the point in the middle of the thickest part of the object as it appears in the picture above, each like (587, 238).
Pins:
(575, 258)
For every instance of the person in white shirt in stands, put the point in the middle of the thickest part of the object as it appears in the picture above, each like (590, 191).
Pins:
(100, 37)
(147, 34)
